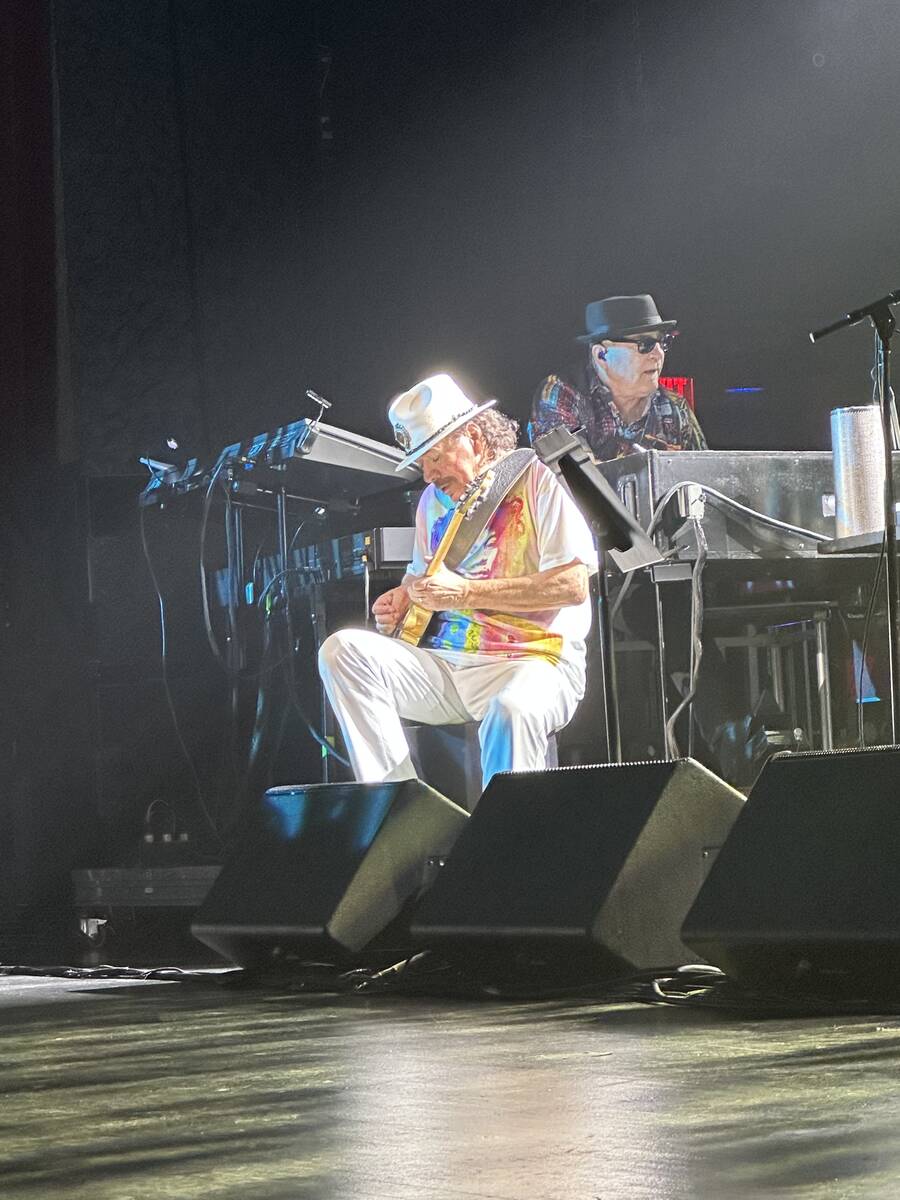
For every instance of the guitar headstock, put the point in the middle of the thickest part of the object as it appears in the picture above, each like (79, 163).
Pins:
(475, 493)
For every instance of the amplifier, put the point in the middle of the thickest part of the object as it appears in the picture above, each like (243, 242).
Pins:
(140, 916)
(386, 548)
(143, 887)
(391, 546)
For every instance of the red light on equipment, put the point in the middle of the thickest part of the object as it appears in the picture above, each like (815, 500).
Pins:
(682, 384)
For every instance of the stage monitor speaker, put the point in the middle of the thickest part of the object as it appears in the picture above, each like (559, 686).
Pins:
(805, 895)
(321, 870)
(579, 868)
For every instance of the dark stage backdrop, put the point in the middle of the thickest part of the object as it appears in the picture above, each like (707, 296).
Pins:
(264, 197)
(253, 197)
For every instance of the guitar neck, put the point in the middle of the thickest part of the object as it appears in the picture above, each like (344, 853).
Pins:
(437, 559)
(412, 626)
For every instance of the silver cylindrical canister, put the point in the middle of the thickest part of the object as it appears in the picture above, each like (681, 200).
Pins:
(858, 455)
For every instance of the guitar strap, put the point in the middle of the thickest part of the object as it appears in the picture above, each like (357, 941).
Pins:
(507, 474)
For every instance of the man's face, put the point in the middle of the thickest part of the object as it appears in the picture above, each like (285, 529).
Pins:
(453, 462)
(624, 370)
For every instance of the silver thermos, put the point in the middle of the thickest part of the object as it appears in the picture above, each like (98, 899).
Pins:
(858, 456)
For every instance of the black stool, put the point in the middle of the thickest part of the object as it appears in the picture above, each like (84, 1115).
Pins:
(448, 758)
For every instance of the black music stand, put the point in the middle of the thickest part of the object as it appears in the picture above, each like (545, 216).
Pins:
(618, 535)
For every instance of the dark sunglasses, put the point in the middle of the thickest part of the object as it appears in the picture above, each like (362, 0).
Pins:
(646, 343)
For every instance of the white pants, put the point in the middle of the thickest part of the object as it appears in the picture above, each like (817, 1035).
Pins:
(373, 681)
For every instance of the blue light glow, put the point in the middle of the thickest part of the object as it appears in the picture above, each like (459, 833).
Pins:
(867, 694)
(289, 812)
(347, 814)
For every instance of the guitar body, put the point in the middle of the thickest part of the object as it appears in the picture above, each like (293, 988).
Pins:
(416, 619)
(412, 628)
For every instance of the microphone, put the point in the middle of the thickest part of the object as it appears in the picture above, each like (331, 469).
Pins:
(314, 429)
(317, 399)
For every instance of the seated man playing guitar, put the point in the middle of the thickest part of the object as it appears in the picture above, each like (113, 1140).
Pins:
(489, 622)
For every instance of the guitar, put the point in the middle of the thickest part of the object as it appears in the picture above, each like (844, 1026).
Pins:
(411, 628)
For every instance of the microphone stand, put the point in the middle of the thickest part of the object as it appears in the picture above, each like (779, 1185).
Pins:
(879, 312)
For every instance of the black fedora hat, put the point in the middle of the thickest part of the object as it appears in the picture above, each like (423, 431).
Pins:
(621, 316)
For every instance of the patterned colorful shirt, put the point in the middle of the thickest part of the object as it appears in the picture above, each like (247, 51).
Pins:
(535, 528)
(668, 423)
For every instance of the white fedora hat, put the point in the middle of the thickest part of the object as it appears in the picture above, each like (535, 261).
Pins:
(428, 412)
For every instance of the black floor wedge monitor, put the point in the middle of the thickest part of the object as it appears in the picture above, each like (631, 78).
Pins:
(579, 869)
(805, 896)
(321, 872)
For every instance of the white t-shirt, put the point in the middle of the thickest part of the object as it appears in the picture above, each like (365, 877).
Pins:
(535, 528)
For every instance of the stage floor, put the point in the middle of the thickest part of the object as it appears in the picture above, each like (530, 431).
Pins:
(145, 1091)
